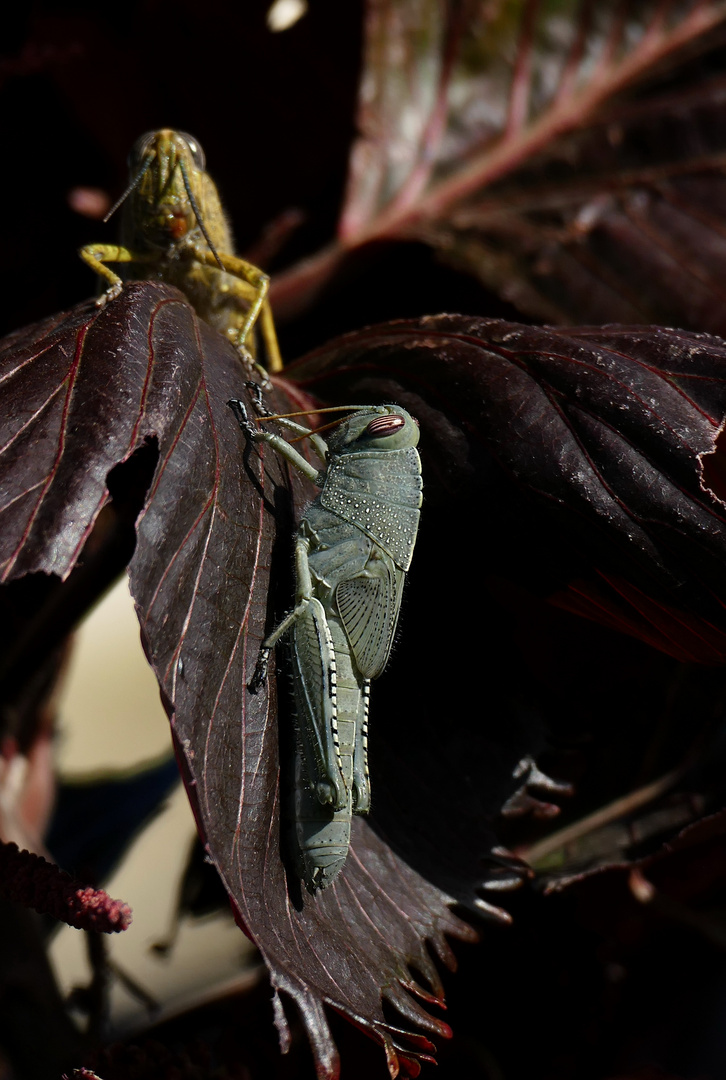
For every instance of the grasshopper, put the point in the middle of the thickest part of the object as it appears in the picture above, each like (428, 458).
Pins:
(174, 229)
(352, 550)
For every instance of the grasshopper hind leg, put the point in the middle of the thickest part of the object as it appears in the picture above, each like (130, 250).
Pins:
(259, 676)
(361, 778)
(314, 672)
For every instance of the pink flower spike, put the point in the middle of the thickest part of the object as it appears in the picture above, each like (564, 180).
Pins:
(31, 880)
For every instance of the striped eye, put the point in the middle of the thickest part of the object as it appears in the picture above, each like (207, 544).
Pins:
(385, 425)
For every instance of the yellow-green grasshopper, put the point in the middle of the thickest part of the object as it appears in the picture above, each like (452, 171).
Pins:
(174, 229)
(353, 548)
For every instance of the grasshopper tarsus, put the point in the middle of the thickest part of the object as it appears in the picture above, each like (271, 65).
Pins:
(109, 294)
(256, 390)
(257, 369)
(240, 413)
(259, 677)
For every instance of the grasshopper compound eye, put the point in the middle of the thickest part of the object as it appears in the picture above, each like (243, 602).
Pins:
(139, 150)
(385, 425)
(198, 155)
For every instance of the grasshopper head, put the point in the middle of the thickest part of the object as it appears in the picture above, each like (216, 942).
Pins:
(168, 190)
(382, 427)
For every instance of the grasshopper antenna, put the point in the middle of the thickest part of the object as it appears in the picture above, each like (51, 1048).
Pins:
(327, 409)
(197, 214)
(134, 184)
(317, 430)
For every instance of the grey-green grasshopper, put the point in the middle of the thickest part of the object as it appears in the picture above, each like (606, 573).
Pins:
(352, 550)
(173, 229)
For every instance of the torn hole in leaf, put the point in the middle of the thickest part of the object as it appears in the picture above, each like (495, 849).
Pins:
(39, 610)
(129, 482)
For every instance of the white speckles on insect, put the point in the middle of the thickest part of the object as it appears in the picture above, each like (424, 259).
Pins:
(349, 592)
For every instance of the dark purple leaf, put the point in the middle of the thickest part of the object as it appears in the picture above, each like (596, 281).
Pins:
(567, 155)
(453, 95)
(605, 431)
(93, 390)
(550, 459)
(623, 220)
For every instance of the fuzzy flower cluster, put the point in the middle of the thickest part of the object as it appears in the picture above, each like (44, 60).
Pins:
(31, 880)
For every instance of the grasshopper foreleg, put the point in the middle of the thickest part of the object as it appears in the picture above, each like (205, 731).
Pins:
(240, 412)
(256, 394)
(258, 283)
(289, 453)
(97, 255)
